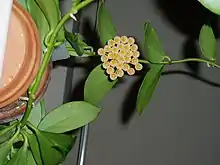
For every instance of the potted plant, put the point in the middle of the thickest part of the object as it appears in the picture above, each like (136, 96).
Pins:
(38, 138)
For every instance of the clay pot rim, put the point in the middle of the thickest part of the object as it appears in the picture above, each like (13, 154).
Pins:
(7, 116)
(25, 76)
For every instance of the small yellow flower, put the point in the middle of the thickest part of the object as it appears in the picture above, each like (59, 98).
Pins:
(107, 48)
(120, 46)
(127, 47)
(126, 67)
(110, 70)
(111, 43)
(130, 53)
(122, 53)
(127, 59)
(134, 61)
(124, 39)
(106, 64)
(111, 55)
(131, 71)
(138, 66)
(131, 40)
(115, 49)
(113, 76)
(113, 63)
(136, 54)
(101, 51)
(121, 59)
(117, 39)
(104, 58)
(120, 66)
(134, 47)
(120, 73)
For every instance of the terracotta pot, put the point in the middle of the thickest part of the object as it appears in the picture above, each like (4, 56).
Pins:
(16, 109)
(22, 57)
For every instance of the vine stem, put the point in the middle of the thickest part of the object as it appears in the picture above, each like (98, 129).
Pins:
(182, 61)
(46, 59)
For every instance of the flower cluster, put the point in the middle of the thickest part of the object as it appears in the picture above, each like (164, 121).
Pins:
(120, 56)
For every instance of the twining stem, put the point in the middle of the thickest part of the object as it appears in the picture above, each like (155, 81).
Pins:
(182, 61)
(46, 58)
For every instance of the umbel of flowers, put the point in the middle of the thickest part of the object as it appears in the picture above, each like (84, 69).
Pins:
(120, 56)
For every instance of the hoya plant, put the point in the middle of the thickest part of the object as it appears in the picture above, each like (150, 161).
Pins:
(41, 138)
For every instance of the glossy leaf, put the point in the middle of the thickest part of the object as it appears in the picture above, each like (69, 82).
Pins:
(50, 148)
(35, 148)
(20, 158)
(106, 28)
(52, 14)
(39, 19)
(148, 86)
(68, 117)
(5, 148)
(152, 44)
(62, 142)
(7, 135)
(76, 46)
(35, 115)
(43, 108)
(212, 5)
(74, 42)
(97, 86)
(30, 159)
(208, 43)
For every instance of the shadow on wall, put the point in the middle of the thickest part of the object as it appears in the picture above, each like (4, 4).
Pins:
(187, 17)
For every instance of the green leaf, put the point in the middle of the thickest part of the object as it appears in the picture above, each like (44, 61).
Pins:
(68, 117)
(34, 147)
(35, 115)
(106, 28)
(30, 159)
(76, 46)
(5, 148)
(212, 5)
(39, 19)
(152, 44)
(20, 158)
(97, 86)
(74, 42)
(6, 135)
(43, 108)
(148, 86)
(51, 10)
(208, 43)
(55, 146)
(63, 142)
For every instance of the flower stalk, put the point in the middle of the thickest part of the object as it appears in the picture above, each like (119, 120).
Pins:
(47, 56)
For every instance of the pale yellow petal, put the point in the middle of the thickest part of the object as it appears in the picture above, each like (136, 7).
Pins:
(134, 47)
(104, 58)
(113, 76)
(134, 61)
(124, 39)
(138, 66)
(131, 71)
(101, 51)
(120, 73)
(131, 40)
(110, 70)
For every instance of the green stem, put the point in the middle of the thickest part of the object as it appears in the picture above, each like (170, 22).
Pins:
(46, 59)
(182, 61)
(7, 129)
